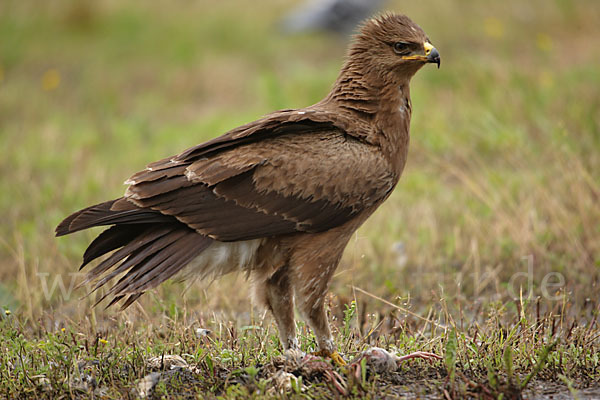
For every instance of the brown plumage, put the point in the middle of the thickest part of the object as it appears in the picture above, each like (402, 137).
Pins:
(279, 197)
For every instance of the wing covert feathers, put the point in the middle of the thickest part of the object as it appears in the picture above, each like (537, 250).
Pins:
(284, 184)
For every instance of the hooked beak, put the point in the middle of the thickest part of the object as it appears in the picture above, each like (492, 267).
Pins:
(431, 55)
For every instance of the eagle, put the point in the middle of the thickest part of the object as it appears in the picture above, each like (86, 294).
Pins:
(277, 198)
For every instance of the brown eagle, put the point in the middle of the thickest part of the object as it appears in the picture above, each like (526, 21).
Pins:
(278, 198)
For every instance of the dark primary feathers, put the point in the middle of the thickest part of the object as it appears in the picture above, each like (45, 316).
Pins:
(291, 172)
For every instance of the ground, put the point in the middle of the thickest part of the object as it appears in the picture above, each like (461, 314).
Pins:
(487, 253)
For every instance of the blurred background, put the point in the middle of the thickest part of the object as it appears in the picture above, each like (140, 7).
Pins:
(500, 197)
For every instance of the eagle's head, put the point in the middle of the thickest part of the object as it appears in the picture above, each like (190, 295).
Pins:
(393, 47)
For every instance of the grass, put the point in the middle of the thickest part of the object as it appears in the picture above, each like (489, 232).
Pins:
(488, 252)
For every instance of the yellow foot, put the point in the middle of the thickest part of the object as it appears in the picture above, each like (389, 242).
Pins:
(334, 356)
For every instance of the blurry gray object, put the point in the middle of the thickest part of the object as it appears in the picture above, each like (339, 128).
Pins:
(340, 16)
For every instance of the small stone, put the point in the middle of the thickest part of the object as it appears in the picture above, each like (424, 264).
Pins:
(283, 381)
(166, 362)
(147, 383)
(201, 332)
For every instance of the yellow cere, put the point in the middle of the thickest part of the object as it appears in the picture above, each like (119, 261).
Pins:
(428, 47)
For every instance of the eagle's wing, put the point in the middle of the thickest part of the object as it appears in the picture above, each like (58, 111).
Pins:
(297, 176)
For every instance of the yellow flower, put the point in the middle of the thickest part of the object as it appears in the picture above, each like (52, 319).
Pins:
(493, 27)
(7, 312)
(50, 80)
(544, 42)
(546, 79)
(103, 341)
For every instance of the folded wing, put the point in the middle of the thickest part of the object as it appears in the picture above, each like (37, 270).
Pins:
(307, 178)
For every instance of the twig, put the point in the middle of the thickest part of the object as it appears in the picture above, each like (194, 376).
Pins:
(445, 328)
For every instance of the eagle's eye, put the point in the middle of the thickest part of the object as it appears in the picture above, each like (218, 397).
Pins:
(401, 47)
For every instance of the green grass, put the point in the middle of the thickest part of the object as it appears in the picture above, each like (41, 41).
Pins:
(492, 232)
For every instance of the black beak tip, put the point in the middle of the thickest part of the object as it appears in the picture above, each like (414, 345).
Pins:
(434, 57)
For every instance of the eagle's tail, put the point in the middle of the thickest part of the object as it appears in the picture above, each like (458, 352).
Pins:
(147, 246)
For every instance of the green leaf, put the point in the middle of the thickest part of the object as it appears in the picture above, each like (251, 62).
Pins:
(450, 356)
(540, 362)
(349, 313)
(508, 364)
(492, 376)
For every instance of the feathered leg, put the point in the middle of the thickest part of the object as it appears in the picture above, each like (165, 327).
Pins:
(311, 281)
(275, 292)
